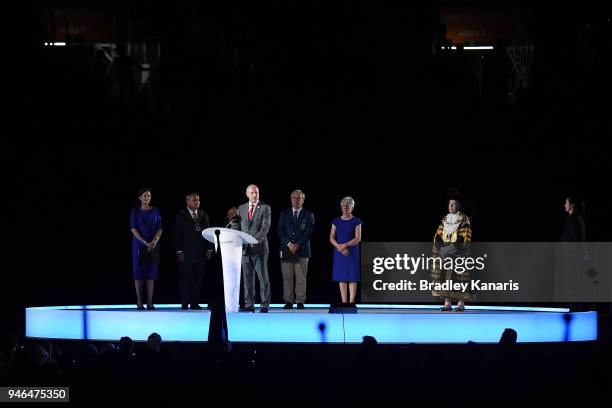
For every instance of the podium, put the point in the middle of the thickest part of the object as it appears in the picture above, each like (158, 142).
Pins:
(231, 251)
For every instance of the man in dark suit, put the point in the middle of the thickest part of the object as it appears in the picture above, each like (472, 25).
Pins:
(192, 250)
(255, 219)
(295, 227)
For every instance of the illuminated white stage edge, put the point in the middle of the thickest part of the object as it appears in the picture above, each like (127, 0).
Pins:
(391, 324)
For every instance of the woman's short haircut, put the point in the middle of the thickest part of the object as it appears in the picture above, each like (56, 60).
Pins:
(348, 200)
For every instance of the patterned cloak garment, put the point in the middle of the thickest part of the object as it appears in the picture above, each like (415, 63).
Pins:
(452, 239)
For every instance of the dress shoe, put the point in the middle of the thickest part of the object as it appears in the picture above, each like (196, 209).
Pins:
(288, 306)
(247, 309)
(460, 309)
(150, 307)
(300, 306)
(446, 308)
(263, 310)
(140, 307)
(196, 307)
(184, 307)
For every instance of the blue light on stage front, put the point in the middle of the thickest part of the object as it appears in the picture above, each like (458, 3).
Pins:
(477, 327)
(113, 322)
(171, 326)
(285, 327)
(387, 323)
(582, 326)
(54, 323)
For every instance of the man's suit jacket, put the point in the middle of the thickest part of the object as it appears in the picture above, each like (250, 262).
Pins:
(297, 232)
(258, 228)
(187, 239)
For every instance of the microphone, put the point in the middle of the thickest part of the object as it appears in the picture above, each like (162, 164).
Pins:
(237, 218)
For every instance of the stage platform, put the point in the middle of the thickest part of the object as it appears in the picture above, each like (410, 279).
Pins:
(389, 324)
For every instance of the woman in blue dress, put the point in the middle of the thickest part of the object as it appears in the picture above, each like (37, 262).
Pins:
(345, 236)
(146, 227)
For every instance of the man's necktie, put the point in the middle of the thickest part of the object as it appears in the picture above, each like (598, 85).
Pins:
(251, 209)
(195, 220)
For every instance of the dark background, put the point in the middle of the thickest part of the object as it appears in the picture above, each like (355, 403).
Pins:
(334, 99)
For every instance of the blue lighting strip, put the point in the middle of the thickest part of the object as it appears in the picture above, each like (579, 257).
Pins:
(131, 306)
(59, 322)
(306, 305)
(314, 325)
(326, 305)
(478, 327)
(470, 307)
(291, 327)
